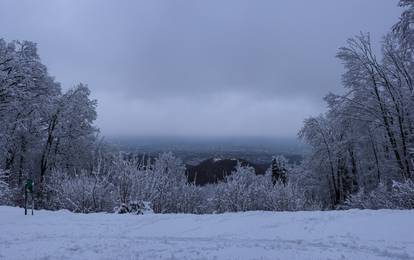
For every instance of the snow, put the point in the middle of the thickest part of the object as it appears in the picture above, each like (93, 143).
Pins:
(352, 234)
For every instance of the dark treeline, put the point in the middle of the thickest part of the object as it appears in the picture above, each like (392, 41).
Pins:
(362, 148)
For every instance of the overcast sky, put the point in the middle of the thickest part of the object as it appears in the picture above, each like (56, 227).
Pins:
(188, 67)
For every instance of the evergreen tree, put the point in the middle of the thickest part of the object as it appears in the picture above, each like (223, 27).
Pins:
(279, 171)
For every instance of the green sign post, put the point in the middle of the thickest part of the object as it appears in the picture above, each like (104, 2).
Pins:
(28, 189)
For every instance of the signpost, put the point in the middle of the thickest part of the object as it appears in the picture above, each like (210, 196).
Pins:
(28, 189)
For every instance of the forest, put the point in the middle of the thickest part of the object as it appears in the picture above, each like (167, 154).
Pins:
(361, 149)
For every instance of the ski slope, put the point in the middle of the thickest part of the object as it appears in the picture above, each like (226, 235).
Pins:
(353, 234)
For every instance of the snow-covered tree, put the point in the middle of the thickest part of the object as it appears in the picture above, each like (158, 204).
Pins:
(41, 128)
(25, 93)
(279, 169)
(5, 192)
(366, 136)
(70, 134)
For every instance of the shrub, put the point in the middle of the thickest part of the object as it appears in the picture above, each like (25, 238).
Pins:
(399, 196)
(243, 190)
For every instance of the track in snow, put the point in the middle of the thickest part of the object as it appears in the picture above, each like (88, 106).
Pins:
(353, 234)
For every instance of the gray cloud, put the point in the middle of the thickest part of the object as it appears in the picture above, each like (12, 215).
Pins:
(198, 67)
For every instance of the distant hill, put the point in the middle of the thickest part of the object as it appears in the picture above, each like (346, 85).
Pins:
(214, 170)
(208, 171)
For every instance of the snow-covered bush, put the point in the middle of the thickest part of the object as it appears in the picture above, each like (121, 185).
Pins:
(170, 191)
(399, 196)
(235, 193)
(125, 184)
(243, 190)
(403, 194)
(83, 192)
(135, 207)
(122, 209)
(124, 175)
(163, 183)
(286, 197)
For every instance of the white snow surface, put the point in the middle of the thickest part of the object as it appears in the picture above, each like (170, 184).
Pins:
(352, 234)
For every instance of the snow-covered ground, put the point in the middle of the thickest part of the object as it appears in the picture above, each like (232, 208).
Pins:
(353, 234)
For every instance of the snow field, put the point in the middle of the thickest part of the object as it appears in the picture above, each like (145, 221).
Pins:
(352, 234)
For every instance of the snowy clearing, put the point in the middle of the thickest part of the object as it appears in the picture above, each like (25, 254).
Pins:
(353, 234)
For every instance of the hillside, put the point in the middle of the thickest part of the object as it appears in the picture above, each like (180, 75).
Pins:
(215, 169)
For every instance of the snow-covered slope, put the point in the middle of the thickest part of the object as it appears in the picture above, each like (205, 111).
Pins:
(353, 234)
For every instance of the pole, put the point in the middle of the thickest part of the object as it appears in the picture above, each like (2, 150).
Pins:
(25, 201)
(32, 202)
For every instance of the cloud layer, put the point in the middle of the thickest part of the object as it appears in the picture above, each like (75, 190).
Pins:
(198, 67)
